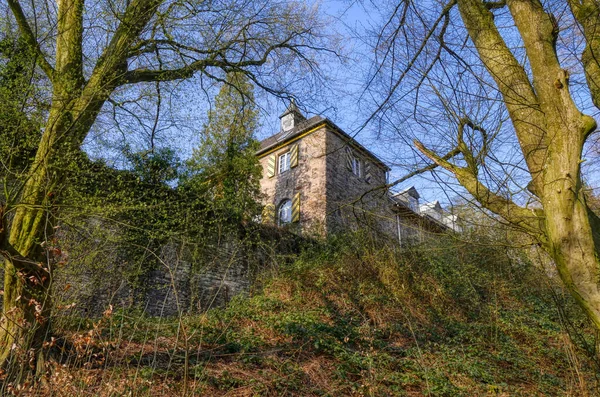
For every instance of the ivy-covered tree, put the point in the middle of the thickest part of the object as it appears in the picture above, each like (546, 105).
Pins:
(88, 53)
(224, 169)
(155, 166)
(20, 118)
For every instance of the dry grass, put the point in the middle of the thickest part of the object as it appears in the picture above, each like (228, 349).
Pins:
(342, 322)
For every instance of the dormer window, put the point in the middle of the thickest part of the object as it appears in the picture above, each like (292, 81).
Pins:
(287, 122)
(284, 162)
(291, 117)
(356, 167)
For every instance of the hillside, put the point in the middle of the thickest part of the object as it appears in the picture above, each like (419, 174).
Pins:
(443, 319)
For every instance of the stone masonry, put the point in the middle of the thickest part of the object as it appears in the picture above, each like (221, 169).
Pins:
(318, 180)
(336, 183)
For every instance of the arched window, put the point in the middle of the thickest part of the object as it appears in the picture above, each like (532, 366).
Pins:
(284, 215)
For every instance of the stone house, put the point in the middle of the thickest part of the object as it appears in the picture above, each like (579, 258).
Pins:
(318, 180)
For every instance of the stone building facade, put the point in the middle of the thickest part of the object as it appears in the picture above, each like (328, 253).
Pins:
(319, 180)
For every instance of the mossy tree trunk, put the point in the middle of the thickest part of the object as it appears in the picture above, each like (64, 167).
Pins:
(551, 131)
(28, 273)
(74, 107)
(135, 52)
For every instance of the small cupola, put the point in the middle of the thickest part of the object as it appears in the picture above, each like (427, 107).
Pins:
(291, 117)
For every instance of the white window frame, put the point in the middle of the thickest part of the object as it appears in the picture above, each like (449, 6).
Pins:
(356, 167)
(284, 212)
(283, 164)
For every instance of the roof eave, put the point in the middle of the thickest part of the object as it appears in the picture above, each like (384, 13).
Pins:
(290, 137)
(316, 126)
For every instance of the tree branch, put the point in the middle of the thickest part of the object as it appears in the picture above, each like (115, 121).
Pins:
(69, 48)
(512, 81)
(587, 14)
(472, 160)
(454, 152)
(492, 5)
(410, 64)
(30, 37)
(152, 45)
(147, 75)
(518, 216)
(112, 64)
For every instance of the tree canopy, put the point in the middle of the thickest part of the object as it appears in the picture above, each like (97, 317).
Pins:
(224, 168)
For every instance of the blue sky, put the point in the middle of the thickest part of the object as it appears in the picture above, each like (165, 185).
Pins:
(342, 100)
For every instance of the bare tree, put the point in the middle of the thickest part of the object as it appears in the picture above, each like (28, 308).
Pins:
(498, 89)
(90, 50)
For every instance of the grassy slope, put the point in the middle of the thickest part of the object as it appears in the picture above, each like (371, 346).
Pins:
(445, 319)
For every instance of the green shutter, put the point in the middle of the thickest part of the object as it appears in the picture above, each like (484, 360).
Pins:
(268, 214)
(294, 156)
(296, 208)
(271, 166)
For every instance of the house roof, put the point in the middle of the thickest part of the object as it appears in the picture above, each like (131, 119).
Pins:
(283, 137)
(306, 127)
(411, 191)
(435, 205)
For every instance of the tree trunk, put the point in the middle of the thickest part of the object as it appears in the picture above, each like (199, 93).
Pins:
(569, 225)
(551, 131)
(25, 320)
(28, 268)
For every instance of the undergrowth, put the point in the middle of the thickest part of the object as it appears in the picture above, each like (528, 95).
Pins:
(445, 318)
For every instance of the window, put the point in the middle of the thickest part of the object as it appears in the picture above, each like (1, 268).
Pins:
(356, 167)
(284, 162)
(284, 215)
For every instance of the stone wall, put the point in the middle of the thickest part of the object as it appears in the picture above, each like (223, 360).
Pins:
(178, 285)
(353, 201)
(308, 178)
(172, 279)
